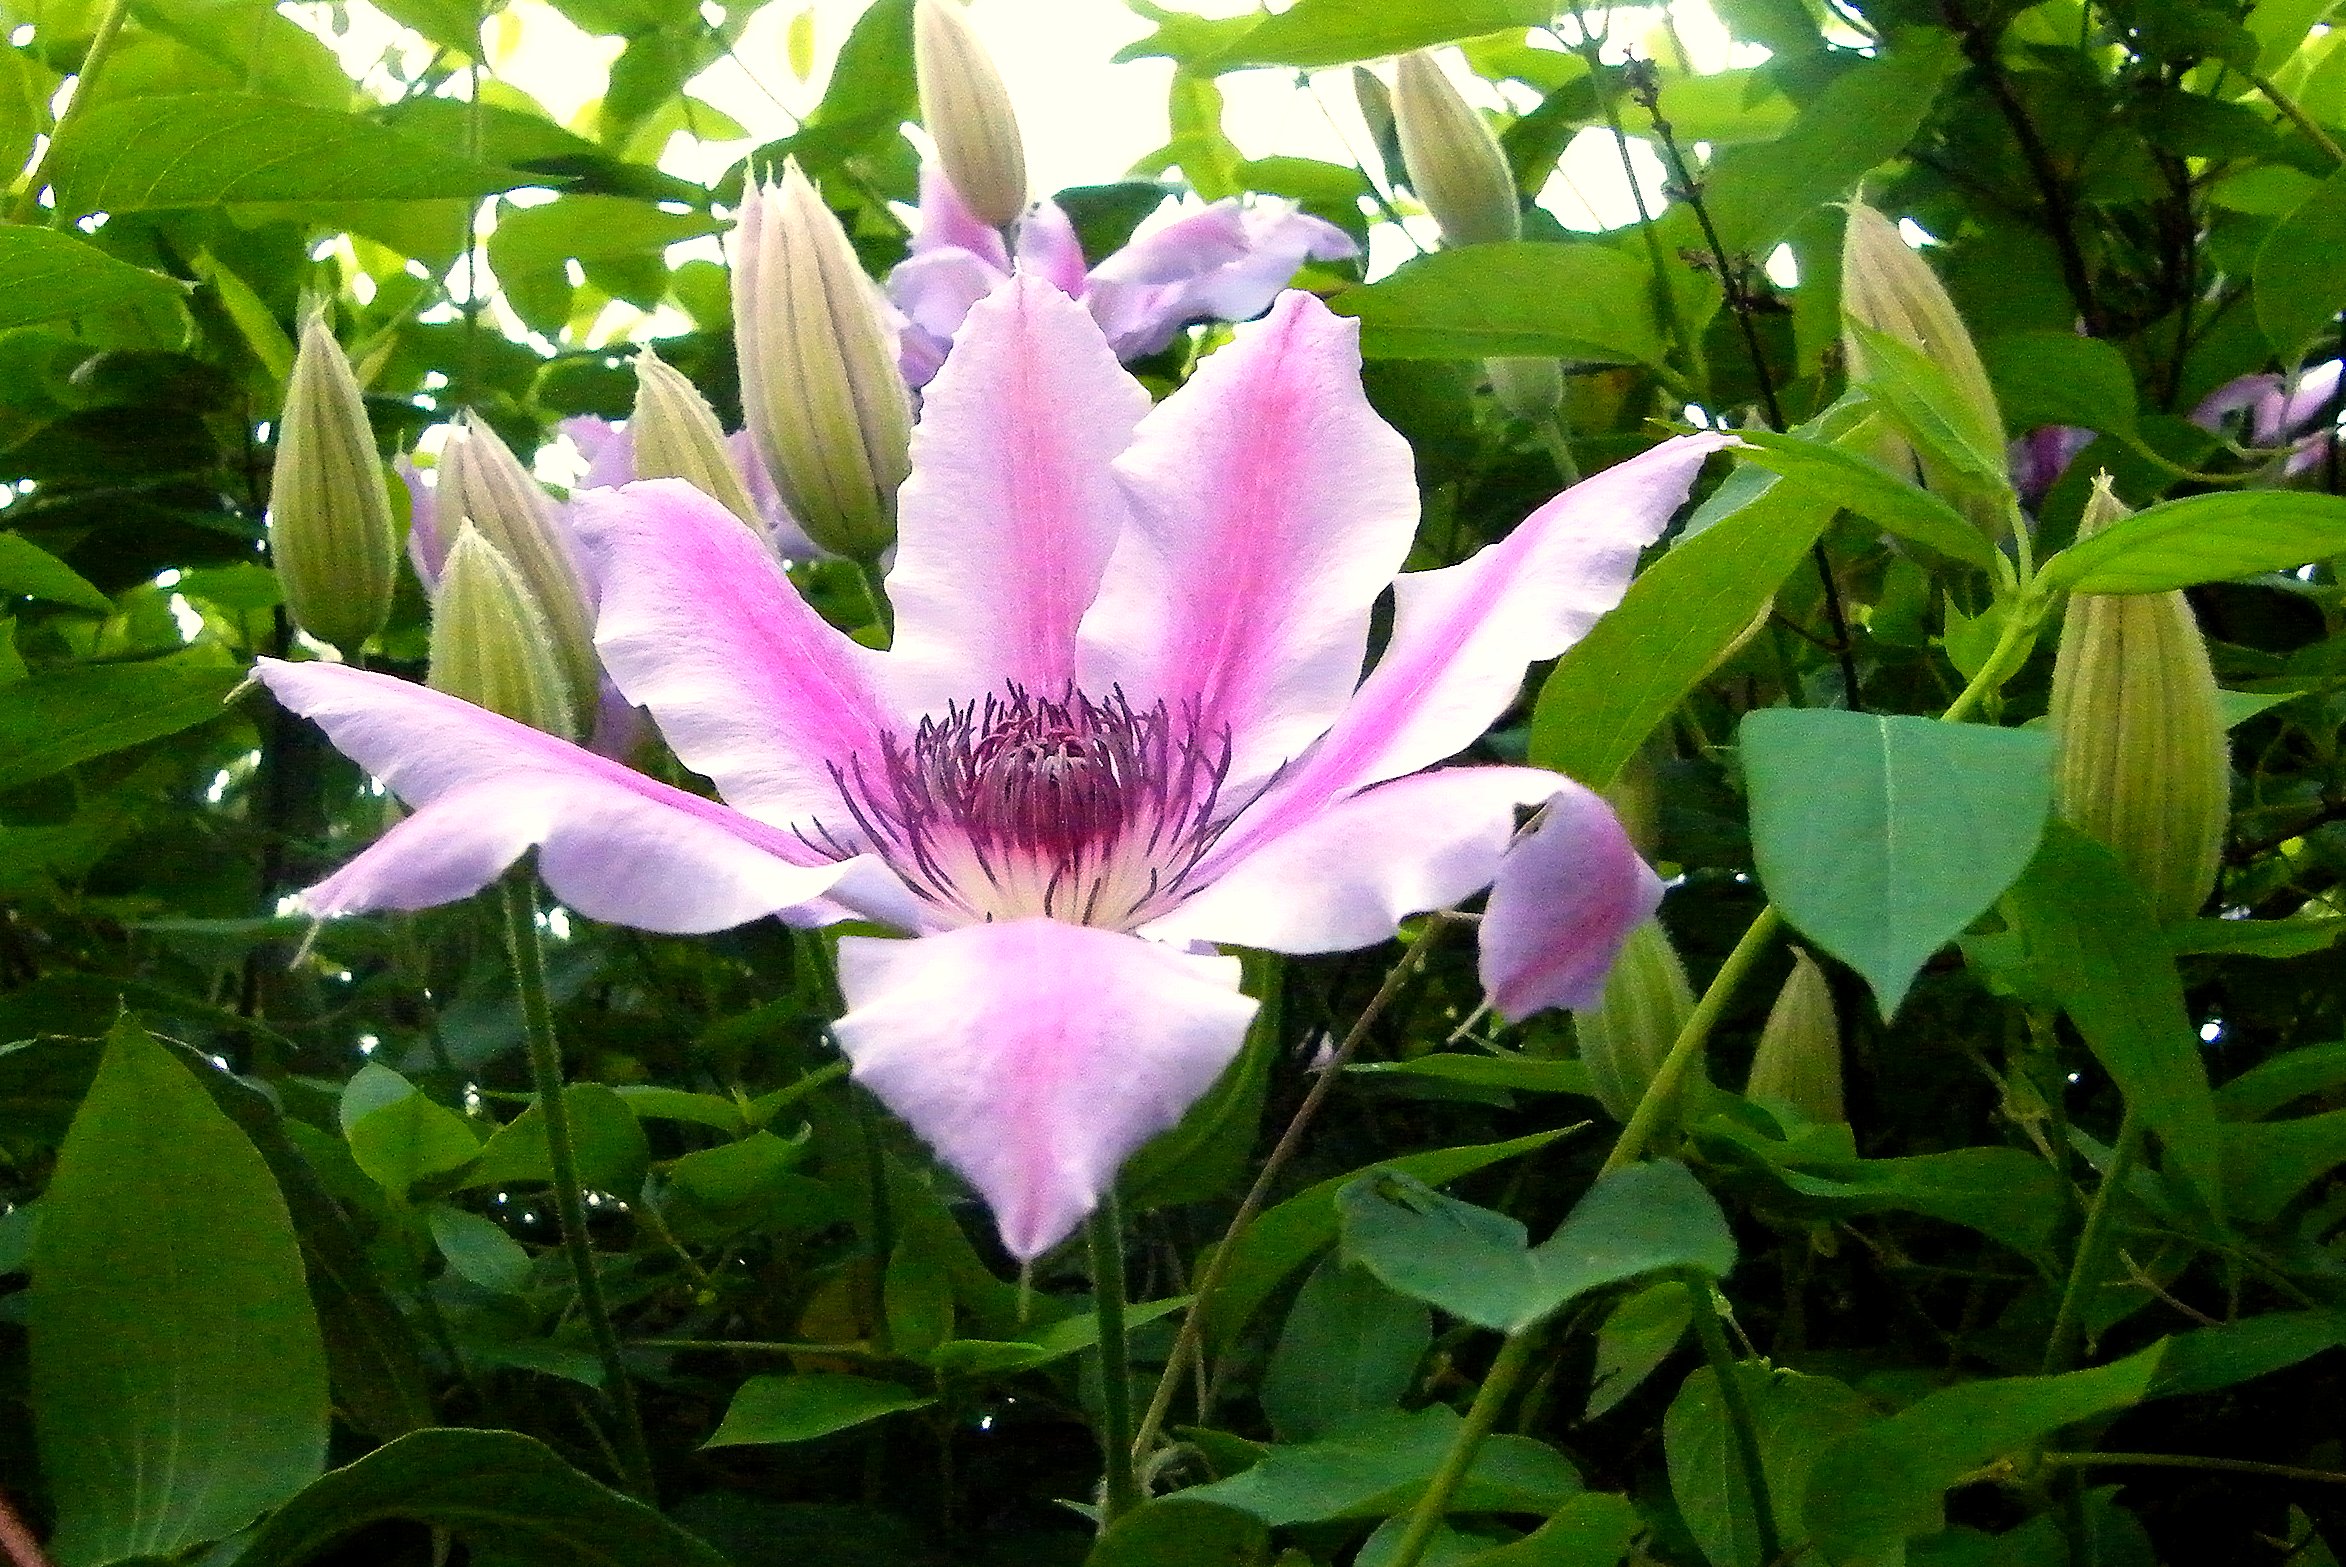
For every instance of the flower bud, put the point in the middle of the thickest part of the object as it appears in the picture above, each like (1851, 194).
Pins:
(676, 436)
(1886, 286)
(1454, 161)
(490, 642)
(819, 383)
(1530, 389)
(967, 111)
(483, 483)
(330, 530)
(2141, 758)
(1375, 102)
(1798, 1062)
(1624, 1037)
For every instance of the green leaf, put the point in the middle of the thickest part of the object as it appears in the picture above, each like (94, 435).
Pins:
(54, 720)
(1515, 1073)
(2045, 378)
(2282, 1080)
(2268, 1163)
(2300, 271)
(2203, 538)
(178, 1379)
(479, 1250)
(1795, 1420)
(1582, 301)
(47, 276)
(2094, 944)
(1636, 1336)
(620, 244)
(2207, 1360)
(1473, 1263)
(202, 149)
(1380, 1468)
(613, 1153)
(1922, 402)
(1180, 1532)
(400, 1136)
(1349, 1351)
(1882, 837)
(28, 571)
(1859, 484)
(498, 1491)
(1591, 1530)
(1872, 1491)
(1068, 1336)
(1313, 33)
(801, 1408)
(1679, 618)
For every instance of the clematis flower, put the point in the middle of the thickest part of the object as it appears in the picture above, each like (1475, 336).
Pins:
(1224, 263)
(1123, 717)
(2281, 411)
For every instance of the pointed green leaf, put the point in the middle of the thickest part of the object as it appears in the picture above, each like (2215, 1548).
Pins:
(2203, 538)
(801, 1408)
(1565, 301)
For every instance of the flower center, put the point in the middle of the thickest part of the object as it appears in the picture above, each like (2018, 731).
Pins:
(1090, 811)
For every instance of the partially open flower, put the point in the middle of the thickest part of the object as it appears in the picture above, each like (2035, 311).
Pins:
(968, 113)
(820, 387)
(1798, 1062)
(674, 434)
(490, 643)
(1092, 748)
(330, 532)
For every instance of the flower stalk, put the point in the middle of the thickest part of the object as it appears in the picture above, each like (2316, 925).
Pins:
(1104, 1236)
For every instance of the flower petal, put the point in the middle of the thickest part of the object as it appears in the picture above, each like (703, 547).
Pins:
(427, 552)
(1347, 876)
(1566, 897)
(946, 223)
(1179, 247)
(699, 625)
(608, 448)
(1010, 513)
(1035, 1057)
(614, 844)
(1270, 507)
(1048, 247)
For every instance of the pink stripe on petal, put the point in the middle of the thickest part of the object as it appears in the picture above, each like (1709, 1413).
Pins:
(1010, 513)
(699, 625)
(1270, 507)
(1047, 247)
(1037, 1057)
(1348, 875)
(1566, 897)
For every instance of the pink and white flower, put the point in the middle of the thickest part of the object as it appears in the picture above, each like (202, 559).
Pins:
(1226, 262)
(1123, 719)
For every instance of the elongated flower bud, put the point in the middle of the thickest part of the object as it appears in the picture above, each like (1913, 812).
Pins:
(1624, 1037)
(819, 383)
(330, 528)
(1798, 1062)
(1454, 161)
(483, 483)
(1886, 286)
(2141, 759)
(490, 642)
(1375, 102)
(677, 436)
(967, 111)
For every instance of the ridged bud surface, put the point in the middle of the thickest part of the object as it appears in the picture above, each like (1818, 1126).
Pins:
(1798, 1062)
(490, 642)
(820, 388)
(968, 113)
(677, 436)
(330, 531)
(483, 483)
(1625, 1036)
(1454, 161)
(2141, 756)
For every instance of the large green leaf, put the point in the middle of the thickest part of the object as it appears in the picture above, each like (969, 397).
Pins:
(1858, 483)
(1881, 837)
(399, 1136)
(1314, 33)
(498, 1491)
(607, 1139)
(178, 1378)
(1581, 301)
(1380, 1467)
(2203, 538)
(802, 1407)
(202, 149)
(1618, 683)
(2046, 378)
(2300, 271)
(1180, 1532)
(46, 276)
(1349, 1351)
(2093, 943)
(28, 571)
(54, 720)
(1795, 1420)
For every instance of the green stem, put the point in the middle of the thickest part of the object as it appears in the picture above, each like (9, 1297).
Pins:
(1560, 450)
(545, 1060)
(1662, 1092)
(883, 612)
(2299, 118)
(1104, 1233)
(2237, 1466)
(85, 81)
(1739, 1418)
(2093, 1244)
(1506, 1370)
(2018, 627)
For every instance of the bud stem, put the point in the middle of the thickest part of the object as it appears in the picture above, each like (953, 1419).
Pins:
(1104, 1234)
(1629, 1147)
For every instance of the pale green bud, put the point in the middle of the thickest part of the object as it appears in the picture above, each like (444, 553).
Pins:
(677, 436)
(1886, 286)
(1798, 1062)
(1454, 161)
(490, 642)
(483, 483)
(820, 387)
(2141, 758)
(968, 114)
(330, 530)
(1375, 102)
(1625, 1036)
(1530, 389)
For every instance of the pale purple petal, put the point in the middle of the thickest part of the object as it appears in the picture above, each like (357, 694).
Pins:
(1140, 319)
(608, 449)
(1182, 246)
(1036, 1057)
(1047, 247)
(1348, 875)
(1010, 513)
(750, 686)
(1278, 242)
(2288, 414)
(946, 223)
(1566, 897)
(1463, 635)
(1226, 263)
(1270, 507)
(937, 290)
(426, 550)
(783, 533)
(2038, 459)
